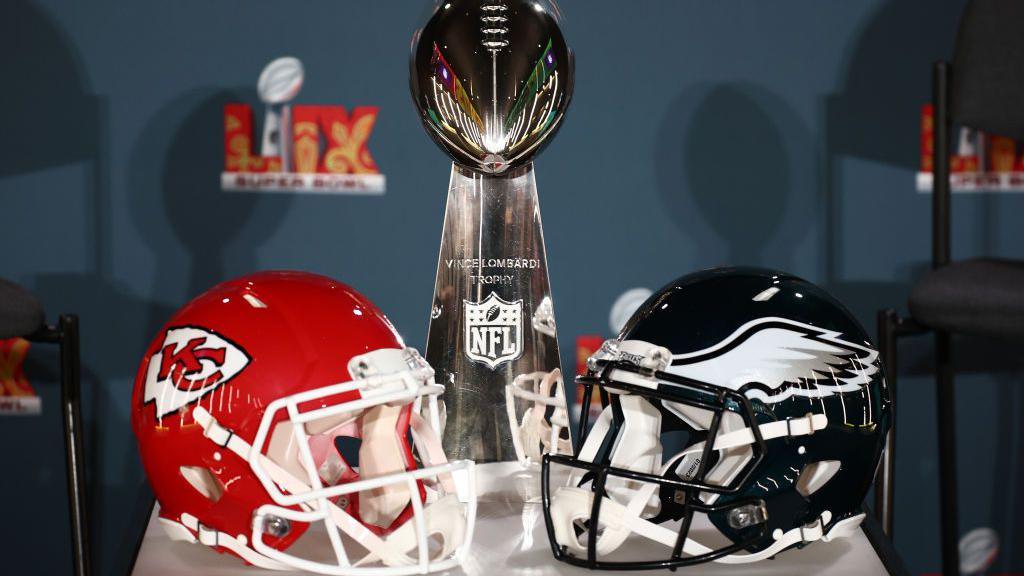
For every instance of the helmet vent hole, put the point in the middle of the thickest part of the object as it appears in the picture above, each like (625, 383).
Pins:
(203, 481)
(816, 475)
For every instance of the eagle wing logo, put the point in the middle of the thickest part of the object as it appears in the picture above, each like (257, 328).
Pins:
(777, 359)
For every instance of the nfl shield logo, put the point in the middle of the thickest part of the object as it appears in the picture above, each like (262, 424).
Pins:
(494, 330)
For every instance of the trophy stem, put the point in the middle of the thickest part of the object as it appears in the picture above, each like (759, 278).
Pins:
(492, 338)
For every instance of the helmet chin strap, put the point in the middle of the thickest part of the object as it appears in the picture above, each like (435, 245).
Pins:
(781, 429)
(393, 550)
(191, 530)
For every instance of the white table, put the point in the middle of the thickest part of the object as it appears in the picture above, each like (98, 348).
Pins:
(502, 547)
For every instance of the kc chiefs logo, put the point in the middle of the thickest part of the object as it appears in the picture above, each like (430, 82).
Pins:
(191, 363)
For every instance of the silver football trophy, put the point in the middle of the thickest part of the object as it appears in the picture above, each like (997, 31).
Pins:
(492, 81)
(278, 85)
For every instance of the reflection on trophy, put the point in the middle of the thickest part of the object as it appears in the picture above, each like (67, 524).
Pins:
(279, 84)
(492, 80)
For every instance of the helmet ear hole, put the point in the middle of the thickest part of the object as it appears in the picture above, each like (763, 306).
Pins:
(816, 475)
(203, 481)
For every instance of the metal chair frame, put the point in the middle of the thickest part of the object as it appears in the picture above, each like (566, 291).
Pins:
(891, 327)
(65, 335)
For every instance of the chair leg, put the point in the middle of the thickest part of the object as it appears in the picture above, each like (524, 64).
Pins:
(885, 480)
(949, 509)
(70, 375)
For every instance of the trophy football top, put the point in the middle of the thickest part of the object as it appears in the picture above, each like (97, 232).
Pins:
(492, 80)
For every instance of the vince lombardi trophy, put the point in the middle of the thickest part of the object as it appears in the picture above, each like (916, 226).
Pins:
(492, 81)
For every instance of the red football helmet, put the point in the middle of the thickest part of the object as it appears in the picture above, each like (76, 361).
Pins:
(249, 406)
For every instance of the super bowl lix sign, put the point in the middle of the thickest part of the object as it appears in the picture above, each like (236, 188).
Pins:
(318, 149)
(344, 166)
(493, 330)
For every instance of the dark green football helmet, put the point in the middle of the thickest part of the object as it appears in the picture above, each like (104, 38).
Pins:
(743, 413)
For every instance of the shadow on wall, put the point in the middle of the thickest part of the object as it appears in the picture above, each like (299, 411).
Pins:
(175, 199)
(875, 116)
(733, 171)
(48, 114)
(199, 235)
(51, 119)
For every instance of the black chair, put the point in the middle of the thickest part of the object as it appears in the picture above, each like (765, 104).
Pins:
(21, 315)
(983, 89)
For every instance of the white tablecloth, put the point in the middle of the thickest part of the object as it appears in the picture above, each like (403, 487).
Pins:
(503, 548)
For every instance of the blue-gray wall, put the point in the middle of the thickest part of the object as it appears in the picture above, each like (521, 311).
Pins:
(772, 132)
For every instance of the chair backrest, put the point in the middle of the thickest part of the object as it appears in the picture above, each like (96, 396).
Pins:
(987, 89)
(21, 314)
(984, 90)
